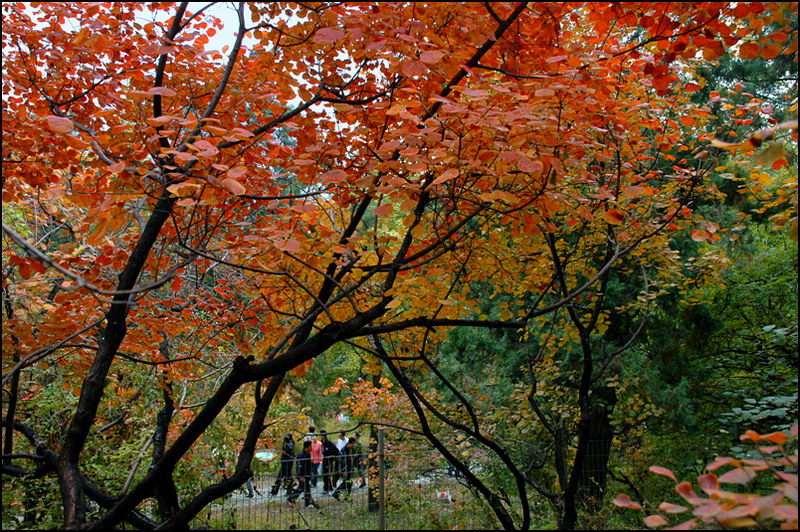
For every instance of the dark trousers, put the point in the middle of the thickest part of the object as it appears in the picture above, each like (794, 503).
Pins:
(304, 487)
(346, 486)
(285, 475)
(329, 473)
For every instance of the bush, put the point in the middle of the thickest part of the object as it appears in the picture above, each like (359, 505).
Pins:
(771, 480)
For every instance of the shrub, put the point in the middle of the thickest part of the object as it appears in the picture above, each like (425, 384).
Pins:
(770, 477)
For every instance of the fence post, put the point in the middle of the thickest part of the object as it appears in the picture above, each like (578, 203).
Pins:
(381, 483)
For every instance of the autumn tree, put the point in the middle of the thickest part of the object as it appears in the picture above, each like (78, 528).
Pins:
(202, 222)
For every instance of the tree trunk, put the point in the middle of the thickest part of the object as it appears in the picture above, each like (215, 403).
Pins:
(592, 487)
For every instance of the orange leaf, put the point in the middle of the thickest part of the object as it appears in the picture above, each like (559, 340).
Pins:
(778, 438)
(771, 51)
(184, 189)
(749, 50)
(446, 176)
(301, 370)
(616, 217)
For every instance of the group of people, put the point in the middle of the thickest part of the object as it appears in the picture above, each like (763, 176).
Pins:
(337, 464)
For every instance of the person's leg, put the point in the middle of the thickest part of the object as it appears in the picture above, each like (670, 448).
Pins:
(277, 485)
(307, 492)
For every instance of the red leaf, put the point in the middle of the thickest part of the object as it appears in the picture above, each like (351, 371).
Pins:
(238, 171)
(684, 489)
(334, 176)
(686, 525)
(661, 83)
(233, 186)
(658, 470)
(430, 57)
(670, 508)
(718, 462)
(708, 482)
(162, 91)
(328, 35)
(738, 476)
(290, 245)
(655, 521)
(60, 125)
(623, 501)
(384, 211)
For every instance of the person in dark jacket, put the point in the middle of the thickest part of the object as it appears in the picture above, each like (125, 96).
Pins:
(303, 477)
(286, 465)
(330, 455)
(349, 468)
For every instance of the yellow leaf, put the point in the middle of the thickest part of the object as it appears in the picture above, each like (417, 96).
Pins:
(184, 189)
(773, 152)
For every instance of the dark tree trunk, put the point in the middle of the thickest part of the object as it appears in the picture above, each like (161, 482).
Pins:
(592, 487)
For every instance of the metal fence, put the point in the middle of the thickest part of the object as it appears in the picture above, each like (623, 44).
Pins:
(414, 490)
